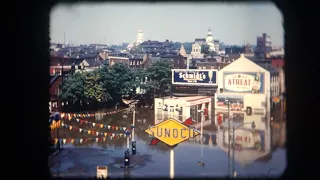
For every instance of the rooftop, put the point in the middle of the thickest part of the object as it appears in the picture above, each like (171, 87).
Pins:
(191, 98)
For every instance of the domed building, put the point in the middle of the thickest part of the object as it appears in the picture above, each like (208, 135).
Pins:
(209, 37)
(140, 37)
(210, 41)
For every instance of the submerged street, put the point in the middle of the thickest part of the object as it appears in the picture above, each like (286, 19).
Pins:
(82, 153)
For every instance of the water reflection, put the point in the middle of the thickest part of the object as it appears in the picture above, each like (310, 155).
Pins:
(253, 147)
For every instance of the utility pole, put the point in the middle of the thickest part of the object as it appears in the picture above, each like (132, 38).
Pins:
(229, 159)
(64, 38)
(62, 81)
(233, 152)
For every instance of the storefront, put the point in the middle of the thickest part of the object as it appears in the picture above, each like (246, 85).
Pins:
(182, 108)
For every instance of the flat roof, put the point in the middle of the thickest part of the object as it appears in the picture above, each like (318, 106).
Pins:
(190, 98)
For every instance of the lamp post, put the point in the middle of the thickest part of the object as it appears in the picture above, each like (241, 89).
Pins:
(233, 144)
(133, 142)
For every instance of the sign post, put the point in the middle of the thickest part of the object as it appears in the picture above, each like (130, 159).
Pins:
(133, 123)
(172, 132)
(171, 163)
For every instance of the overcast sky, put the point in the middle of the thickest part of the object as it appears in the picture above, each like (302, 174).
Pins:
(117, 23)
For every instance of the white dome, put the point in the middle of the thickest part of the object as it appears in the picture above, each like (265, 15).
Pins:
(209, 32)
(209, 39)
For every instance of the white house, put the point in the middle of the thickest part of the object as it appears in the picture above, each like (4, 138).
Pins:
(247, 84)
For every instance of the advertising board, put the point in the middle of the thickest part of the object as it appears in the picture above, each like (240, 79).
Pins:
(244, 82)
(236, 102)
(194, 77)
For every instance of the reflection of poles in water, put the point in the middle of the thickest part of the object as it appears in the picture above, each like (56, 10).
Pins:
(270, 171)
(210, 140)
(201, 163)
(201, 139)
(233, 152)
(133, 145)
(128, 142)
(126, 173)
(133, 123)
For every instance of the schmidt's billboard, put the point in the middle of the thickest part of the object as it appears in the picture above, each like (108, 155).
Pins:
(194, 77)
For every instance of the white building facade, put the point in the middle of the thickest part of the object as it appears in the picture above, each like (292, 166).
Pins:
(140, 37)
(182, 108)
(249, 81)
(245, 87)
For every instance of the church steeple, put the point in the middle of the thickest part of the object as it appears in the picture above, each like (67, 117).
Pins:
(183, 51)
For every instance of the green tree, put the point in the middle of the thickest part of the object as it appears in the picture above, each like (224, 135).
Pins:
(93, 88)
(73, 89)
(118, 80)
(159, 79)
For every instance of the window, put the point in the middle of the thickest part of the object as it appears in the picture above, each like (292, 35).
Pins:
(159, 114)
(181, 114)
(165, 114)
(171, 109)
(207, 107)
(193, 112)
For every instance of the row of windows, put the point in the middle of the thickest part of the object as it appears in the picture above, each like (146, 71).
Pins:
(275, 90)
(274, 78)
(196, 50)
(170, 112)
(135, 62)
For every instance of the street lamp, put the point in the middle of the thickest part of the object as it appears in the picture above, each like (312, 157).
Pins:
(133, 142)
(253, 126)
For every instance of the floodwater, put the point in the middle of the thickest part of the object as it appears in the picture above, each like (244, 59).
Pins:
(105, 146)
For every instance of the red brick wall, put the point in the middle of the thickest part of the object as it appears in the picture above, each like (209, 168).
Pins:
(277, 62)
(54, 86)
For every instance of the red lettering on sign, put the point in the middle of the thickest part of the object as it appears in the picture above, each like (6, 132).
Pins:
(241, 82)
(243, 139)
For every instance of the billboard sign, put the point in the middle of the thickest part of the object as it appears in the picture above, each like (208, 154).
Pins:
(172, 132)
(235, 102)
(194, 77)
(244, 82)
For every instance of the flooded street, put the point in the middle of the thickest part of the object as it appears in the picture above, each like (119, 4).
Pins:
(88, 142)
